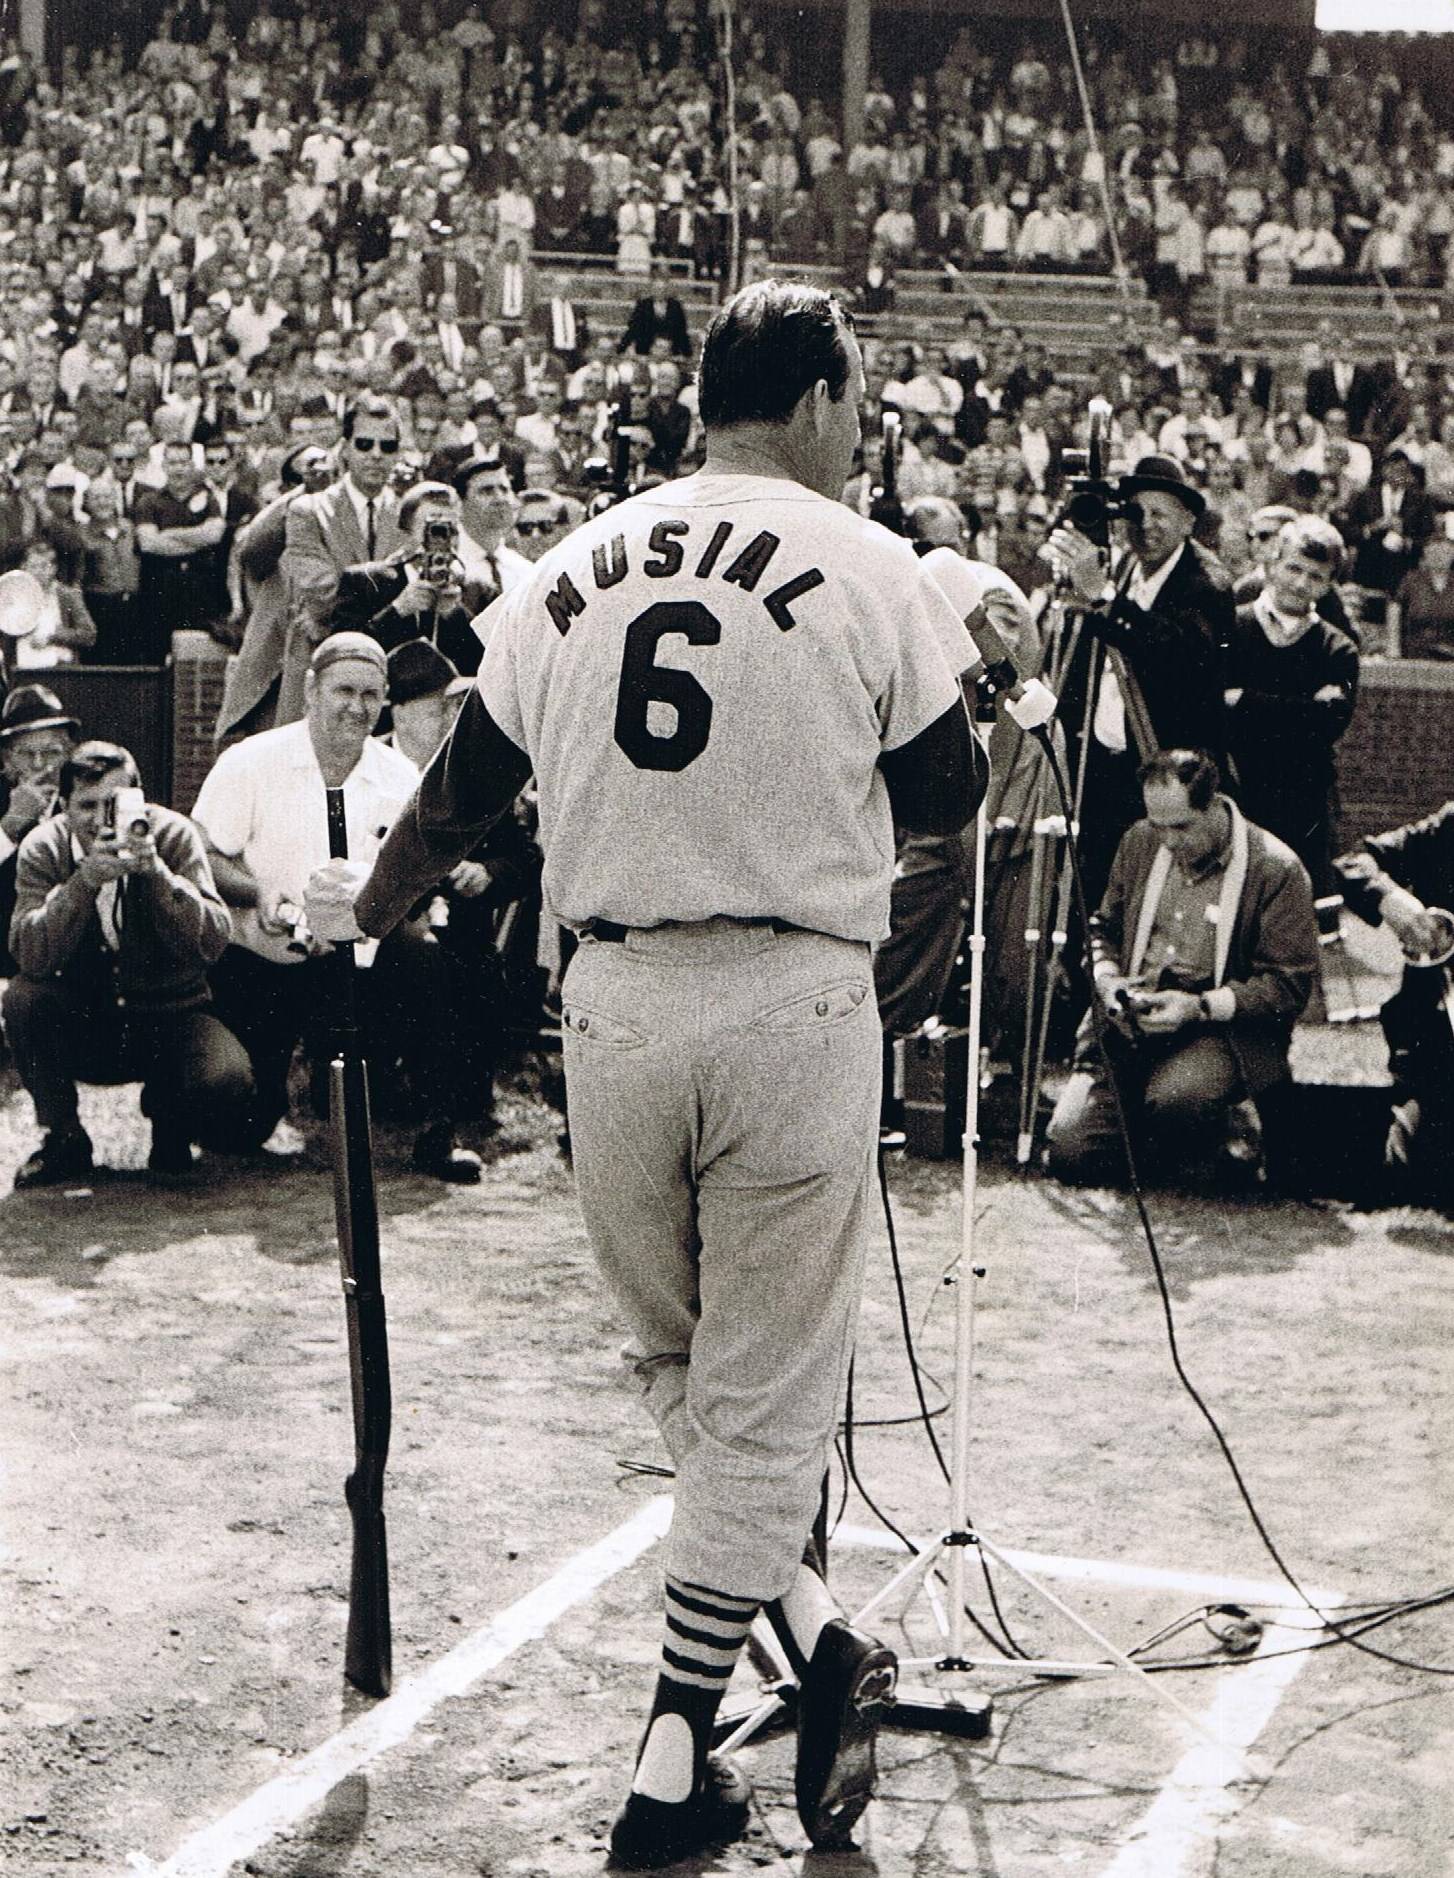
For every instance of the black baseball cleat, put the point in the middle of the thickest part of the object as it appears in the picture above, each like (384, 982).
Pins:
(63, 1155)
(436, 1152)
(170, 1161)
(649, 1834)
(842, 1695)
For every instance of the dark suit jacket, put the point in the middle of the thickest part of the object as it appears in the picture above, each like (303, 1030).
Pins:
(1322, 390)
(651, 319)
(1175, 650)
(1228, 377)
(1280, 739)
(492, 287)
(1374, 563)
(540, 323)
(466, 283)
(365, 603)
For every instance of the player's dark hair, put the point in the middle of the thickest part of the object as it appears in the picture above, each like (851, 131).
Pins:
(766, 347)
(92, 760)
(1195, 770)
(368, 404)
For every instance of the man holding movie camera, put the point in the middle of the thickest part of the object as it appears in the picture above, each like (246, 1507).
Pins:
(417, 593)
(117, 918)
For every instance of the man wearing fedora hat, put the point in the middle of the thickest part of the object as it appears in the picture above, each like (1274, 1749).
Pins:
(1162, 609)
(36, 737)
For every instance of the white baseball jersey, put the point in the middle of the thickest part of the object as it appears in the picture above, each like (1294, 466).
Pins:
(704, 679)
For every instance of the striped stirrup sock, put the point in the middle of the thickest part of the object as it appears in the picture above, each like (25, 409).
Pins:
(705, 1632)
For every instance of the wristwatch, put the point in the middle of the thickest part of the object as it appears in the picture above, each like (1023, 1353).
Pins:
(1204, 1007)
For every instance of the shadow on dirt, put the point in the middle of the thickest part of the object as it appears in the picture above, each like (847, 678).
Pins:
(1426, 1232)
(1198, 1236)
(333, 1833)
(70, 1234)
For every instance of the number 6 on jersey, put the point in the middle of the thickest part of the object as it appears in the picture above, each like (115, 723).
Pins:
(643, 682)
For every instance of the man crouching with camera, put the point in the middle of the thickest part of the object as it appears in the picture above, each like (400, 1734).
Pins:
(117, 918)
(417, 593)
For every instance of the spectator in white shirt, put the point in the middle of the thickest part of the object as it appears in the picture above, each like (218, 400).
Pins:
(253, 322)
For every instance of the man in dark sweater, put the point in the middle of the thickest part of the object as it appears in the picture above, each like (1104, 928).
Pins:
(1291, 685)
(114, 929)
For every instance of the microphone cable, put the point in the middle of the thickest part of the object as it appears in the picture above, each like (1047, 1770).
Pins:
(1098, 1025)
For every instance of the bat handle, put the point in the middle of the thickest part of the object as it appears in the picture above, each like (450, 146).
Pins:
(337, 826)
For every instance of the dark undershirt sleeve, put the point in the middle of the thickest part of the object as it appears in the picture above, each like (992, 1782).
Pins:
(938, 779)
(475, 776)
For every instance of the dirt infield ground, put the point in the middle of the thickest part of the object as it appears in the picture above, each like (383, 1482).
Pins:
(175, 1550)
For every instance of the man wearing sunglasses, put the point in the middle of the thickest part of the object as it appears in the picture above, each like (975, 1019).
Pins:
(354, 519)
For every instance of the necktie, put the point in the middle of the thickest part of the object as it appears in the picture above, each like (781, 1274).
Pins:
(494, 567)
(372, 533)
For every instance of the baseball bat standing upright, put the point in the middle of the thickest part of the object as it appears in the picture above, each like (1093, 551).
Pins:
(368, 1649)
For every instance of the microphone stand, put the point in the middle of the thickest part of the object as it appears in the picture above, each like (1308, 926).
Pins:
(951, 1709)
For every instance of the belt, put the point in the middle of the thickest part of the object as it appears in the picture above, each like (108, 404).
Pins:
(613, 934)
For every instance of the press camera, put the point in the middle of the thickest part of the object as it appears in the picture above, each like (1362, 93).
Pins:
(1093, 501)
(125, 815)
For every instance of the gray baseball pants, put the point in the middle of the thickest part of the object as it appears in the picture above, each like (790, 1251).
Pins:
(723, 1090)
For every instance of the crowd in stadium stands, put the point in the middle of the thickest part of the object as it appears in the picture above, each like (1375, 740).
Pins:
(269, 259)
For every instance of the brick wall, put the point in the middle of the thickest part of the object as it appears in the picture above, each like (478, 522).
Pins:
(1396, 759)
(198, 665)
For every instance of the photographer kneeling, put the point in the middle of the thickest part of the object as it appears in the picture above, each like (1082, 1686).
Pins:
(1204, 947)
(417, 593)
(117, 918)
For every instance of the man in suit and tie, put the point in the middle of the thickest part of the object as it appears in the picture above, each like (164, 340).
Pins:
(133, 318)
(1236, 371)
(1390, 522)
(417, 591)
(250, 689)
(202, 342)
(355, 519)
(1340, 384)
(445, 270)
(658, 314)
(1163, 612)
(509, 290)
(456, 336)
(169, 301)
(562, 324)
(124, 460)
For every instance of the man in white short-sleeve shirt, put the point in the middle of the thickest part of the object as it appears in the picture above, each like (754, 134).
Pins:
(263, 811)
(729, 688)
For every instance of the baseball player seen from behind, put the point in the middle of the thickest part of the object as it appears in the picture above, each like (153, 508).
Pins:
(729, 688)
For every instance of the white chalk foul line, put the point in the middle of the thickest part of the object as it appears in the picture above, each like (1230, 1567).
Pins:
(1200, 1791)
(214, 1850)
(1198, 1794)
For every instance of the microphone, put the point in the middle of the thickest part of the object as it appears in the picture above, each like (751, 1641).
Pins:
(1029, 702)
